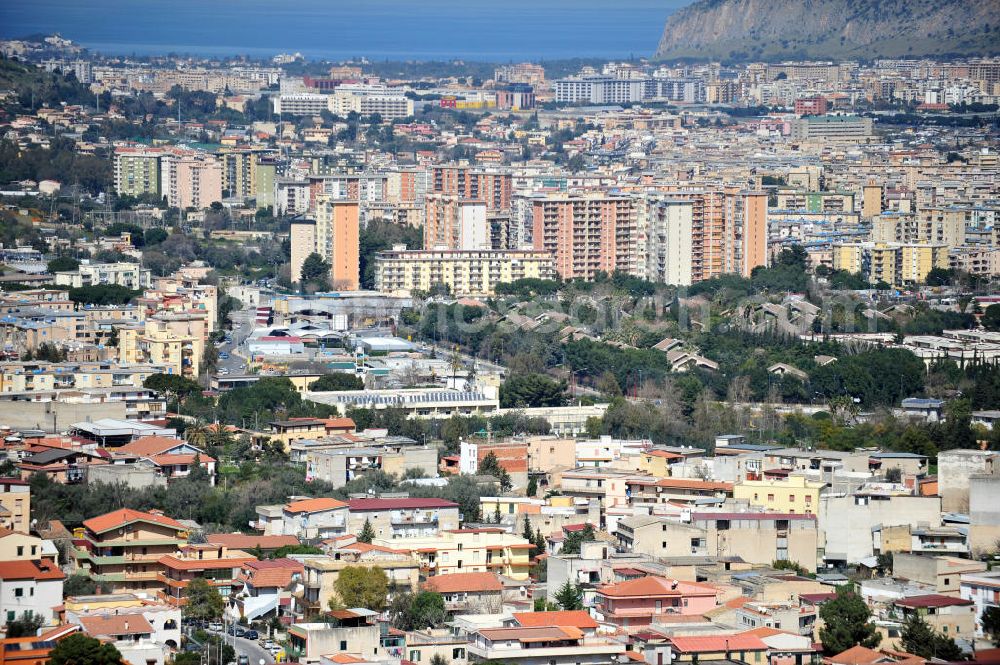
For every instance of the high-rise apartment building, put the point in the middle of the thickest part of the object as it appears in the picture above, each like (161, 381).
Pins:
(137, 171)
(337, 238)
(588, 233)
(473, 184)
(452, 223)
(302, 237)
(191, 179)
(669, 228)
(728, 231)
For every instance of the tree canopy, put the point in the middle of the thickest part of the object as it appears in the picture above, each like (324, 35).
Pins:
(80, 649)
(847, 622)
(203, 600)
(362, 586)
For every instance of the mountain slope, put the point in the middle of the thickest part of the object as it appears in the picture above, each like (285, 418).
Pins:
(774, 29)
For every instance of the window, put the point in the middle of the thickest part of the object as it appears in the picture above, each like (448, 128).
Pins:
(770, 497)
(791, 497)
(20, 550)
(947, 581)
(458, 653)
(10, 616)
(414, 655)
(343, 645)
(18, 592)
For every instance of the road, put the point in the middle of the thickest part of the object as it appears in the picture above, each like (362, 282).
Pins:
(252, 650)
(242, 326)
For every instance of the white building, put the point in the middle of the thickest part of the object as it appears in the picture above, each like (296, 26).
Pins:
(34, 586)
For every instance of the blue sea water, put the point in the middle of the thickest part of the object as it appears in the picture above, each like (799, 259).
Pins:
(483, 30)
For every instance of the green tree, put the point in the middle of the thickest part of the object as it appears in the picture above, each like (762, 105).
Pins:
(920, 639)
(576, 538)
(490, 466)
(79, 584)
(285, 550)
(990, 622)
(413, 611)
(337, 381)
(532, 489)
(62, 264)
(570, 596)
(438, 659)
(203, 600)
(530, 391)
(847, 622)
(361, 586)
(79, 649)
(315, 270)
(172, 385)
(367, 532)
(25, 625)
(938, 277)
(991, 318)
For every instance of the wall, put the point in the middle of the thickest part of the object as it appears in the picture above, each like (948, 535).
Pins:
(39, 415)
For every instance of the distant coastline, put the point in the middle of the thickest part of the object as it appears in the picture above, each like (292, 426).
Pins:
(335, 30)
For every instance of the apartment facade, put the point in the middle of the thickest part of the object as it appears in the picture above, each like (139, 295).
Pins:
(404, 517)
(123, 548)
(463, 272)
(337, 238)
(587, 234)
(15, 504)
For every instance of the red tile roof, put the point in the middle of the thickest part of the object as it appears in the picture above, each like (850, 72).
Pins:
(42, 569)
(457, 582)
(114, 625)
(578, 618)
(653, 585)
(932, 600)
(119, 518)
(244, 541)
(362, 505)
(314, 505)
(718, 643)
(151, 445)
(857, 655)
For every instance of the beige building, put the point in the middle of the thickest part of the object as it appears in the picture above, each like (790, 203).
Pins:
(943, 573)
(123, 548)
(756, 537)
(463, 272)
(303, 241)
(551, 452)
(177, 345)
(191, 179)
(468, 551)
(15, 505)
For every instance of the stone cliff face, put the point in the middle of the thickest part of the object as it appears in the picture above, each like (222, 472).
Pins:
(843, 29)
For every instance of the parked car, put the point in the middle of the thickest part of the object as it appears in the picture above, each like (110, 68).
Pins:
(215, 626)
(251, 635)
(242, 659)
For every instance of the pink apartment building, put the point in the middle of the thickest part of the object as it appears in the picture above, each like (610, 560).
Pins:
(643, 601)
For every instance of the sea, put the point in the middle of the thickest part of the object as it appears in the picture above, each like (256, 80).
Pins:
(473, 30)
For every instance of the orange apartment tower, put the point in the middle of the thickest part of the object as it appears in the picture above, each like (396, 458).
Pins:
(588, 233)
(337, 240)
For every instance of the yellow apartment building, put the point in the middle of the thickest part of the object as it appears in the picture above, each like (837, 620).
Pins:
(471, 272)
(794, 494)
(467, 551)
